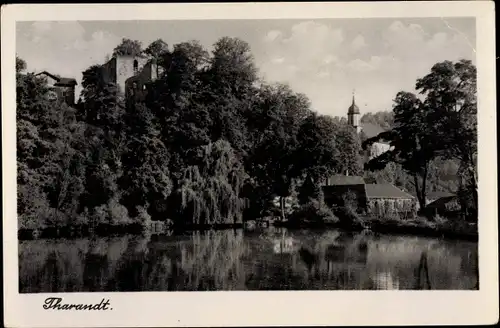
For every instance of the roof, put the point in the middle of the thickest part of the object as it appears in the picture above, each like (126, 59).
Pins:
(60, 80)
(442, 202)
(439, 194)
(353, 109)
(343, 180)
(385, 191)
(371, 130)
(66, 81)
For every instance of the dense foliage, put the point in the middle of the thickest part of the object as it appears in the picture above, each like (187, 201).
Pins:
(434, 135)
(209, 144)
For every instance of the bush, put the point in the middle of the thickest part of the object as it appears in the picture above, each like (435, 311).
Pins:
(33, 207)
(440, 220)
(348, 217)
(143, 218)
(99, 215)
(118, 214)
(314, 211)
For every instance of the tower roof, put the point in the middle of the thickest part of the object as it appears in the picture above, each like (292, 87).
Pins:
(353, 109)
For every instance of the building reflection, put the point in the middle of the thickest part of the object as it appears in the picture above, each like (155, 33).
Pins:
(284, 245)
(384, 280)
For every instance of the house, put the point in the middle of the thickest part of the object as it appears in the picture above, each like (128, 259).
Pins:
(60, 88)
(444, 206)
(386, 199)
(130, 74)
(380, 200)
(342, 189)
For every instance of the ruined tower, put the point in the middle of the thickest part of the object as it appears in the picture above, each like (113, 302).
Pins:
(124, 70)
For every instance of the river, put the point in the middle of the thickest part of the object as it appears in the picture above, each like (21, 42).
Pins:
(268, 259)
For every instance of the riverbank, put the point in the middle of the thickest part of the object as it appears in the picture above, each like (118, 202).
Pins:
(424, 227)
(419, 227)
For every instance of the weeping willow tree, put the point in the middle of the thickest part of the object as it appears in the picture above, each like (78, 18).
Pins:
(209, 192)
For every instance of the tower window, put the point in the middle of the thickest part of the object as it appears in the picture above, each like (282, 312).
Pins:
(136, 65)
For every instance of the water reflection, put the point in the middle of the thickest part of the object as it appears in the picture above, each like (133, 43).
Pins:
(270, 259)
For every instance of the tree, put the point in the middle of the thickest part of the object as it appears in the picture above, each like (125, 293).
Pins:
(317, 154)
(308, 190)
(348, 145)
(209, 192)
(20, 65)
(272, 160)
(146, 179)
(49, 155)
(158, 51)
(450, 90)
(103, 112)
(441, 126)
(232, 66)
(128, 47)
(413, 144)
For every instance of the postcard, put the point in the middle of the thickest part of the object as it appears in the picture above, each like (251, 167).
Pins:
(249, 164)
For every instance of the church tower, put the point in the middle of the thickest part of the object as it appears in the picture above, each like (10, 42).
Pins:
(353, 115)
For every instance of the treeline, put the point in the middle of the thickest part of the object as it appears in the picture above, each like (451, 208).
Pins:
(209, 144)
(434, 136)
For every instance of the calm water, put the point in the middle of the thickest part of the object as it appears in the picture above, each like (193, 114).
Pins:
(271, 259)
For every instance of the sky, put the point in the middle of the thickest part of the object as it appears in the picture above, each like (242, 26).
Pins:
(325, 59)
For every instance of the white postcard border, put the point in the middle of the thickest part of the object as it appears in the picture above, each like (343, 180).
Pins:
(146, 309)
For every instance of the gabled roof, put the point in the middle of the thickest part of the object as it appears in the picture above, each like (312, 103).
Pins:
(343, 180)
(442, 202)
(385, 191)
(66, 81)
(439, 194)
(60, 80)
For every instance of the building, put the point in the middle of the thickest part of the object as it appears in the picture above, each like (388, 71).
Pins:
(368, 129)
(130, 74)
(435, 195)
(386, 199)
(340, 189)
(381, 200)
(447, 206)
(61, 89)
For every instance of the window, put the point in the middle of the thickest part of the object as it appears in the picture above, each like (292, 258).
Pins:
(136, 65)
(51, 95)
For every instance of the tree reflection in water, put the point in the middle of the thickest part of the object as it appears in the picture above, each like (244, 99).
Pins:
(270, 259)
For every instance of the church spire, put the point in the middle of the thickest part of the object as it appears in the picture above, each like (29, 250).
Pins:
(353, 113)
(353, 109)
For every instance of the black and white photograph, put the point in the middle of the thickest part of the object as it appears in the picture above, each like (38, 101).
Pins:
(274, 154)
